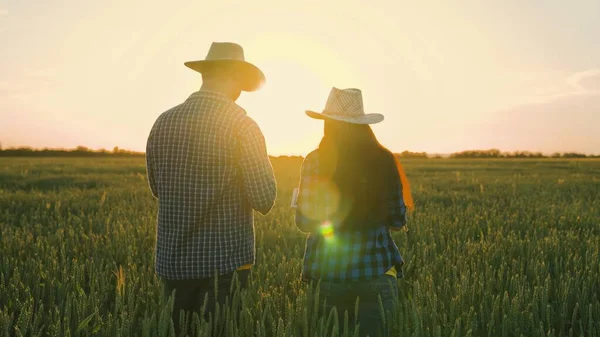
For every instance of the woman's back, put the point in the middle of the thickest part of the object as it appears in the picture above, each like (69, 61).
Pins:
(350, 195)
(340, 247)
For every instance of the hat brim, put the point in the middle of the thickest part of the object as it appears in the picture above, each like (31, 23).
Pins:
(365, 119)
(251, 77)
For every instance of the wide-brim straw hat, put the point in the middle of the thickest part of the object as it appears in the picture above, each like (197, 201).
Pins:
(346, 106)
(231, 55)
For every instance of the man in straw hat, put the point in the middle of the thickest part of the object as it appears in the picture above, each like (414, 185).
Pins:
(208, 167)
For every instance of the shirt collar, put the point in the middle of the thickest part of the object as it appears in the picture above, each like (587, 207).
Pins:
(210, 94)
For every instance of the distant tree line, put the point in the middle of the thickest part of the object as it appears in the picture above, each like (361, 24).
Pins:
(495, 153)
(82, 151)
(408, 154)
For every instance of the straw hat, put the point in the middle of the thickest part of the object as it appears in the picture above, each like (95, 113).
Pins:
(231, 55)
(346, 106)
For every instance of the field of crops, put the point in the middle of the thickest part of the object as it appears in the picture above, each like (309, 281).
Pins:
(495, 248)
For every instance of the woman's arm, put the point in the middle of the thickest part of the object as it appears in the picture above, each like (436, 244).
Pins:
(306, 195)
(397, 208)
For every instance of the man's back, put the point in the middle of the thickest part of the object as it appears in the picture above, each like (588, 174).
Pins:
(208, 167)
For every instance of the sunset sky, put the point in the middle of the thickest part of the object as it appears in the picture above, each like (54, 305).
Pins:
(448, 75)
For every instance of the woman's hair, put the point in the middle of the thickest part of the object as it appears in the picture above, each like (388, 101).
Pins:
(363, 171)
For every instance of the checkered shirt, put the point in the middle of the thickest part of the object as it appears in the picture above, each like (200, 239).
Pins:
(344, 255)
(208, 167)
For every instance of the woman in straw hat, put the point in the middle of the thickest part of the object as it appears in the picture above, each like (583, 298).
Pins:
(352, 193)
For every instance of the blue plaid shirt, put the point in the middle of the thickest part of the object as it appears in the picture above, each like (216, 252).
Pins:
(344, 255)
(208, 166)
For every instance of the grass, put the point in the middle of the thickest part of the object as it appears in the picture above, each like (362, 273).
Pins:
(496, 248)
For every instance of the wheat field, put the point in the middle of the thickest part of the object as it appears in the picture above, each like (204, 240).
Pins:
(495, 248)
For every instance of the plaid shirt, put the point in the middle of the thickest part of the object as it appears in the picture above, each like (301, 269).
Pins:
(344, 255)
(208, 167)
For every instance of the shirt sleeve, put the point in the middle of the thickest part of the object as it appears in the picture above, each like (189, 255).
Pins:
(259, 179)
(306, 202)
(151, 167)
(397, 207)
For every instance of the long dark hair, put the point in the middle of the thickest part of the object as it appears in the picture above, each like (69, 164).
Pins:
(362, 170)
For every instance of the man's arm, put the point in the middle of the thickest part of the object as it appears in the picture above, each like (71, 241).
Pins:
(150, 167)
(259, 178)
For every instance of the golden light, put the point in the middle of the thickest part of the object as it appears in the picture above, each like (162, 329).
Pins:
(326, 197)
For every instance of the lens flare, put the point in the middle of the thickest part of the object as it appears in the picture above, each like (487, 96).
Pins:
(327, 230)
(325, 199)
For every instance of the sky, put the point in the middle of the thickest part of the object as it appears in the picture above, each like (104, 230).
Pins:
(448, 75)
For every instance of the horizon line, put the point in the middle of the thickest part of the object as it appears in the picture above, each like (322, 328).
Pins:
(85, 148)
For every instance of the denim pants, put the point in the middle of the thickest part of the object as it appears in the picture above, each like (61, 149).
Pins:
(375, 295)
(190, 294)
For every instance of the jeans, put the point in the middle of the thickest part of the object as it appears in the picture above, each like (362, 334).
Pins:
(343, 296)
(190, 294)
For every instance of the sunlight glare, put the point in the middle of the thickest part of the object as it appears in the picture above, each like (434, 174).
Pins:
(326, 195)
